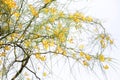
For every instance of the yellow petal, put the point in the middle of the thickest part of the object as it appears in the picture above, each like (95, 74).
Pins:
(82, 54)
(101, 58)
(88, 57)
(44, 74)
(106, 67)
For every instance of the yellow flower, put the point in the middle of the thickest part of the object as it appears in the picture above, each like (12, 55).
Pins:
(70, 40)
(85, 63)
(82, 54)
(76, 19)
(7, 48)
(47, 28)
(53, 10)
(3, 54)
(36, 47)
(37, 55)
(47, 1)
(45, 44)
(62, 37)
(88, 57)
(89, 19)
(43, 58)
(102, 36)
(16, 14)
(27, 43)
(11, 3)
(52, 19)
(33, 11)
(61, 14)
(1, 42)
(106, 67)
(111, 41)
(102, 42)
(101, 58)
(64, 53)
(44, 74)
(56, 32)
(59, 49)
(46, 10)
(73, 55)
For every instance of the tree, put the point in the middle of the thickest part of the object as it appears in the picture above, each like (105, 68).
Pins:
(33, 36)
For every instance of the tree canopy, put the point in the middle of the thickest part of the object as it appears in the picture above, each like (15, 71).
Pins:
(34, 34)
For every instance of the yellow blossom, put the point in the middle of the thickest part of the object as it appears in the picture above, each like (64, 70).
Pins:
(27, 43)
(52, 19)
(61, 14)
(16, 14)
(111, 41)
(64, 53)
(78, 16)
(1, 42)
(44, 74)
(101, 58)
(47, 1)
(43, 58)
(82, 54)
(85, 63)
(102, 42)
(45, 44)
(73, 55)
(36, 47)
(7, 48)
(11, 3)
(106, 67)
(33, 11)
(88, 57)
(59, 49)
(62, 37)
(102, 36)
(3, 54)
(70, 40)
(47, 28)
(89, 19)
(53, 10)
(46, 10)
(37, 55)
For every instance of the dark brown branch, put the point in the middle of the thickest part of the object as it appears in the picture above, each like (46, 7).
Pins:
(33, 73)
(24, 63)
